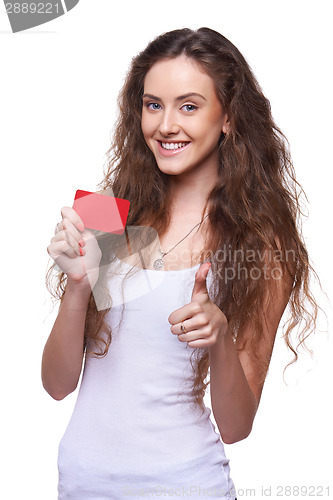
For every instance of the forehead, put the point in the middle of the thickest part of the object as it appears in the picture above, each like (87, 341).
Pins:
(178, 76)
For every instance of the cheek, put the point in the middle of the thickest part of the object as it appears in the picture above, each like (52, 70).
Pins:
(147, 134)
(144, 121)
(147, 127)
(207, 125)
(143, 126)
(215, 120)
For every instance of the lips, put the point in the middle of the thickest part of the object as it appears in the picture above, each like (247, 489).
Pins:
(171, 152)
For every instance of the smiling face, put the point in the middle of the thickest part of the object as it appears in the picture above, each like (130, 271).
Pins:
(182, 118)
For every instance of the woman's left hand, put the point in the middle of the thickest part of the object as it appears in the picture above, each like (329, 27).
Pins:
(204, 322)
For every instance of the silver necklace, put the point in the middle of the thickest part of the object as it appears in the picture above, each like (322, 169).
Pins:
(159, 263)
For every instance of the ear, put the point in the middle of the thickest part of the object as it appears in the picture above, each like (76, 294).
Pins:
(226, 126)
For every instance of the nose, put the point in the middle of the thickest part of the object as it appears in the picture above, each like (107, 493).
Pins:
(168, 124)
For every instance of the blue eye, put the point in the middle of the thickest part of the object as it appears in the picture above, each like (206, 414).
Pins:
(191, 106)
(151, 104)
(155, 104)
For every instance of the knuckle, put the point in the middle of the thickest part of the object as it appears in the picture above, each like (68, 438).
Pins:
(203, 299)
(64, 245)
(63, 211)
(206, 331)
(63, 235)
(65, 222)
(203, 319)
(196, 308)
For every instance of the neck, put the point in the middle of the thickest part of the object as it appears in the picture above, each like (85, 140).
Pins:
(189, 198)
(188, 191)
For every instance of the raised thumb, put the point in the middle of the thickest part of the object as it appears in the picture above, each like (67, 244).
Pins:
(200, 285)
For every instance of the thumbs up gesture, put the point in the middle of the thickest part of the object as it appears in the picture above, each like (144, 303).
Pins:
(200, 323)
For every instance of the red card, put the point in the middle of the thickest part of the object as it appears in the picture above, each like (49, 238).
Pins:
(101, 212)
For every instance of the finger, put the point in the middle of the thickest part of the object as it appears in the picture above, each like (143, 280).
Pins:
(184, 313)
(197, 344)
(58, 227)
(196, 338)
(69, 213)
(72, 234)
(191, 336)
(203, 332)
(72, 242)
(177, 328)
(196, 323)
(60, 246)
(200, 283)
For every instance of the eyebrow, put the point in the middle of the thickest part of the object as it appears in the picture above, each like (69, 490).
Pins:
(179, 98)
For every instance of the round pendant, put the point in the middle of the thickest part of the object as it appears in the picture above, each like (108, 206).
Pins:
(158, 264)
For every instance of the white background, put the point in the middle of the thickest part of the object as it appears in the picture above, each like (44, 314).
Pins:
(59, 84)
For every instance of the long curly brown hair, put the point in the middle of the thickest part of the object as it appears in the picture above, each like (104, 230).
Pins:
(253, 209)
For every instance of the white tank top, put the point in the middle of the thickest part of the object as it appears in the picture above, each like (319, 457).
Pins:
(134, 432)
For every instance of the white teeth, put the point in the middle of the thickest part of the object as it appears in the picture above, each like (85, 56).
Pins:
(173, 145)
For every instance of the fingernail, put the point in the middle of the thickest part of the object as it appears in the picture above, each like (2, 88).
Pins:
(82, 252)
(82, 242)
(80, 227)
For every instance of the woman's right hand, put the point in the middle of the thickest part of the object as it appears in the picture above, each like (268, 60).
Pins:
(75, 250)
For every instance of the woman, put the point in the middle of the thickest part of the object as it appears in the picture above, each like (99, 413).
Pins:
(195, 147)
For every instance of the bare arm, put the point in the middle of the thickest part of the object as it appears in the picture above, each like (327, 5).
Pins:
(234, 404)
(235, 383)
(63, 352)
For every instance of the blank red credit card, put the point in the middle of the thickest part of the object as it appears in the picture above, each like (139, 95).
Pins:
(101, 212)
